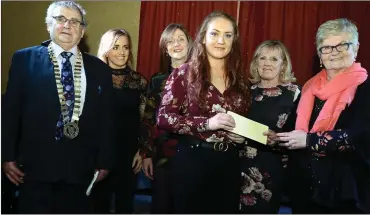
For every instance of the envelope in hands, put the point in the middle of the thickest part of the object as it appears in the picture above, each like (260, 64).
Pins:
(249, 128)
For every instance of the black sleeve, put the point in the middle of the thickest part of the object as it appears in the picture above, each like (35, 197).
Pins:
(355, 137)
(105, 154)
(290, 123)
(11, 110)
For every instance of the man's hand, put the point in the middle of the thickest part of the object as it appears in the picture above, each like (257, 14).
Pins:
(102, 174)
(14, 174)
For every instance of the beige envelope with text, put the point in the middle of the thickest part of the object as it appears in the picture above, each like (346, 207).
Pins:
(249, 128)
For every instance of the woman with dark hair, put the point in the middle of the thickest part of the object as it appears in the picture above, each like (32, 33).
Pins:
(129, 92)
(195, 101)
(174, 45)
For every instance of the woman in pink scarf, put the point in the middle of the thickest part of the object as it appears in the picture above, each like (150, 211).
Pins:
(330, 165)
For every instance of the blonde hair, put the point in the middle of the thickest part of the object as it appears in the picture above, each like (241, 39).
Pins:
(107, 42)
(335, 27)
(286, 75)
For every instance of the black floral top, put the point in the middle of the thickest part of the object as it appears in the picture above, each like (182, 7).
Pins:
(262, 165)
(334, 169)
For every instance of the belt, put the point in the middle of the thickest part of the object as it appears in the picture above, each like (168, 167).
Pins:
(194, 142)
(220, 146)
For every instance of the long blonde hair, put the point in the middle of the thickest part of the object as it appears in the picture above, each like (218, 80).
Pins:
(107, 42)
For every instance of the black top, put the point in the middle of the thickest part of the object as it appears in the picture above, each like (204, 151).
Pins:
(274, 107)
(129, 93)
(335, 167)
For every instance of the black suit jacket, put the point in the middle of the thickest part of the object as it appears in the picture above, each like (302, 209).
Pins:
(30, 111)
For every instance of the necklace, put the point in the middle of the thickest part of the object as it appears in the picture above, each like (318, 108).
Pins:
(71, 128)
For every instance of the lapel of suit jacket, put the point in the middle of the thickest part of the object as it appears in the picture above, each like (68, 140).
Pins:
(47, 73)
(89, 82)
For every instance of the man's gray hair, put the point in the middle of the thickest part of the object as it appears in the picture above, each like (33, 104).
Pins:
(67, 4)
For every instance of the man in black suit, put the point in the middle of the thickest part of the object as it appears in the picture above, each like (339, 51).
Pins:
(56, 118)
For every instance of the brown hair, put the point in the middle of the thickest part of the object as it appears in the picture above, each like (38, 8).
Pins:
(107, 42)
(199, 74)
(165, 59)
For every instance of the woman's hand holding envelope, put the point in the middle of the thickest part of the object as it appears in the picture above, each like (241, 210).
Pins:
(221, 121)
(236, 138)
(271, 137)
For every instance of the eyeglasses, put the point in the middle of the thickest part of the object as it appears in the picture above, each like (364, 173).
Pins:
(180, 40)
(63, 20)
(329, 49)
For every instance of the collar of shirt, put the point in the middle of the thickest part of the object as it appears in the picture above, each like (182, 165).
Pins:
(58, 50)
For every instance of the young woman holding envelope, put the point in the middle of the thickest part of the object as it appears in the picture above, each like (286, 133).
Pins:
(195, 101)
(274, 99)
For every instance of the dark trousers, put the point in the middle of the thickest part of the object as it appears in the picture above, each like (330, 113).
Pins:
(121, 183)
(162, 197)
(313, 208)
(205, 180)
(8, 196)
(60, 197)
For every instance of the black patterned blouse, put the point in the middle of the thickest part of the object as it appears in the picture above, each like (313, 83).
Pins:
(262, 165)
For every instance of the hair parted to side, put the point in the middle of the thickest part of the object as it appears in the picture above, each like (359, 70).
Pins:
(286, 75)
(66, 4)
(335, 27)
(107, 42)
(199, 74)
(165, 59)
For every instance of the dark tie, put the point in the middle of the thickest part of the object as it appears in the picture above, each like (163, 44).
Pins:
(68, 91)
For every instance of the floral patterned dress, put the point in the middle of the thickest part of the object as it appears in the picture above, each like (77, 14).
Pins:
(262, 167)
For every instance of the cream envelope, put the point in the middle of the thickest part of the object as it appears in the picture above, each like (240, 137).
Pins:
(249, 128)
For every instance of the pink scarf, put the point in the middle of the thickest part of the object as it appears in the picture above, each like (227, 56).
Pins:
(337, 93)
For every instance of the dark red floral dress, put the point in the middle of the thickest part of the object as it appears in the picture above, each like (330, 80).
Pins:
(262, 167)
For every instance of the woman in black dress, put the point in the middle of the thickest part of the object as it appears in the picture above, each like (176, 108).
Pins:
(274, 98)
(129, 103)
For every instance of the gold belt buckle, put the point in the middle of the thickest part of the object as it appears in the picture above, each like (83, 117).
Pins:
(220, 147)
